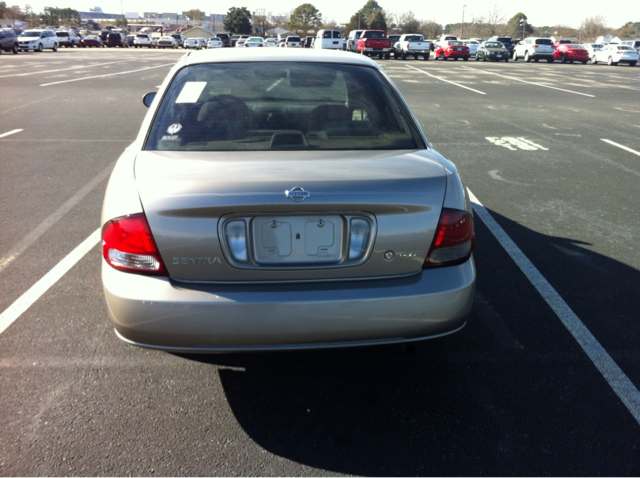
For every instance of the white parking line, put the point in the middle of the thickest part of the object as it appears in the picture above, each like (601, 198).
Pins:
(45, 225)
(62, 69)
(529, 82)
(619, 382)
(447, 81)
(10, 133)
(620, 146)
(26, 300)
(109, 74)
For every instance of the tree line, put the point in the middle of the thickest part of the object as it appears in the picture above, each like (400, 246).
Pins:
(307, 19)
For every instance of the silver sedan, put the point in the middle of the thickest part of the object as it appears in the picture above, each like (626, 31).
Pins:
(284, 199)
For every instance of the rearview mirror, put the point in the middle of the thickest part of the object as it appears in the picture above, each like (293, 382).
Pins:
(148, 98)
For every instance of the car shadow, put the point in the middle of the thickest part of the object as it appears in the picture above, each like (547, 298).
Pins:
(511, 394)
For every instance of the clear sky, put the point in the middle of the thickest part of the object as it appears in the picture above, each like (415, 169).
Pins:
(539, 12)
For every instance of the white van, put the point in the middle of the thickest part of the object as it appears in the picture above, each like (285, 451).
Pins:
(329, 40)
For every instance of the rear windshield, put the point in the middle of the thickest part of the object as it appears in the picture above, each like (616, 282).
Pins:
(543, 41)
(293, 39)
(374, 35)
(456, 43)
(30, 34)
(624, 47)
(414, 38)
(494, 44)
(62, 34)
(143, 36)
(337, 34)
(299, 106)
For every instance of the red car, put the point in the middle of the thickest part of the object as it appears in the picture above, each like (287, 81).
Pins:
(570, 52)
(452, 49)
(92, 41)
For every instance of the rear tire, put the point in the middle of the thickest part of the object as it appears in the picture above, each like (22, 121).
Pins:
(425, 57)
(584, 62)
(55, 47)
(515, 56)
(562, 59)
(550, 60)
(527, 58)
(594, 60)
(466, 58)
(610, 62)
(387, 56)
(506, 60)
(633, 63)
(404, 56)
(15, 49)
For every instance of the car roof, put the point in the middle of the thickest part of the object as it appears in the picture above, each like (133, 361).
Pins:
(228, 55)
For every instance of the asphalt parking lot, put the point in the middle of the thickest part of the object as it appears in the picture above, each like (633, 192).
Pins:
(543, 380)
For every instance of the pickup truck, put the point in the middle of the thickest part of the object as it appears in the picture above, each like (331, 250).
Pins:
(412, 44)
(374, 42)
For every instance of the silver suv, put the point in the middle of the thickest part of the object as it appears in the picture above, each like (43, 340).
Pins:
(534, 48)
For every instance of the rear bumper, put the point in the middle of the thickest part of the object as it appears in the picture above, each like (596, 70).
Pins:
(158, 313)
(377, 50)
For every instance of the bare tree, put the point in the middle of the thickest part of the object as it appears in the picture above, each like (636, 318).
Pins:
(495, 19)
(593, 27)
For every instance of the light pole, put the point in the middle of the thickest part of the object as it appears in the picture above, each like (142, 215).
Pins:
(462, 26)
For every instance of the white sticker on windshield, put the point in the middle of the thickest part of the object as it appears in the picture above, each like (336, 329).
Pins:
(191, 91)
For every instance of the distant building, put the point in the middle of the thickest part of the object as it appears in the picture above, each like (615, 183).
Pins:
(605, 39)
(132, 15)
(198, 32)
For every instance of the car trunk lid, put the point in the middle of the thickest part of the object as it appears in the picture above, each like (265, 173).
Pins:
(304, 201)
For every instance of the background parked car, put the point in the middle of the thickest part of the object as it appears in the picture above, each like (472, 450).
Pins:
(329, 40)
(309, 41)
(214, 42)
(412, 44)
(63, 39)
(8, 40)
(615, 54)
(167, 42)
(253, 42)
(192, 44)
(179, 38)
(117, 40)
(570, 52)
(452, 49)
(130, 39)
(506, 41)
(225, 39)
(92, 41)
(534, 48)
(352, 40)
(592, 48)
(292, 42)
(38, 40)
(233, 39)
(473, 46)
(271, 42)
(492, 51)
(240, 41)
(143, 40)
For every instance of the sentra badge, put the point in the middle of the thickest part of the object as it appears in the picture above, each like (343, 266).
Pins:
(297, 194)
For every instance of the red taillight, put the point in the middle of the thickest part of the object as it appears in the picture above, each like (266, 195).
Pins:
(127, 245)
(535, 46)
(260, 44)
(454, 239)
(286, 43)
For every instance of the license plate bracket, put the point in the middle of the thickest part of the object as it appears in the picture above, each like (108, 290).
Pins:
(294, 240)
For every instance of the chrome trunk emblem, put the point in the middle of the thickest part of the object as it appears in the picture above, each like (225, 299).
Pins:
(297, 194)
